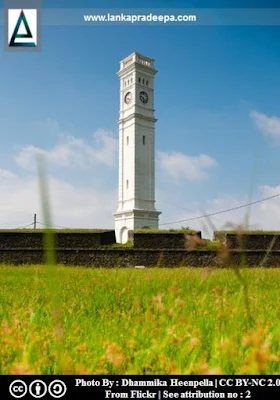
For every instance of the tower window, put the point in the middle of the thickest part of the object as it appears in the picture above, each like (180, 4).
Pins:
(144, 140)
(127, 140)
(127, 183)
(139, 80)
(147, 82)
(143, 81)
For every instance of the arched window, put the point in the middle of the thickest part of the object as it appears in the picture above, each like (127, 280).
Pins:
(147, 82)
(143, 81)
(139, 80)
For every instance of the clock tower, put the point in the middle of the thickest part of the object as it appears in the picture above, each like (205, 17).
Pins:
(136, 204)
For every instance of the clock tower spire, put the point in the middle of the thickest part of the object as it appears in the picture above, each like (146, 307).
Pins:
(136, 203)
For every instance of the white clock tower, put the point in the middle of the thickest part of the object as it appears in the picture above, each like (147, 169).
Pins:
(136, 205)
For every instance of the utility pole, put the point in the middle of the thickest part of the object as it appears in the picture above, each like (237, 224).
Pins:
(35, 221)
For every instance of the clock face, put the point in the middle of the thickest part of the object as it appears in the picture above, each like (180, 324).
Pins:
(143, 97)
(128, 98)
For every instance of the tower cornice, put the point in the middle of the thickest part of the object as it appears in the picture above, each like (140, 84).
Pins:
(135, 66)
(135, 115)
(139, 62)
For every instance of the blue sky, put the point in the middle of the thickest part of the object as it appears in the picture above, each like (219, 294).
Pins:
(217, 94)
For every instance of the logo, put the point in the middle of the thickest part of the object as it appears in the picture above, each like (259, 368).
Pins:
(18, 389)
(22, 28)
(57, 389)
(38, 389)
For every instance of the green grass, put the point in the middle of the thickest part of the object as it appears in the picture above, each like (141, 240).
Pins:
(63, 320)
(206, 244)
(119, 245)
(168, 321)
(160, 231)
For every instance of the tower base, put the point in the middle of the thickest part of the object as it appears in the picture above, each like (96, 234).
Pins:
(134, 219)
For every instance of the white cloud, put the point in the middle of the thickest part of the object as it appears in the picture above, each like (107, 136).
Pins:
(271, 206)
(180, 166)
(73, 152)
(82, 206)
(71, 205)
(267, 125)
(264, 215)
(85, 206)
(4, 175)
(270, 191)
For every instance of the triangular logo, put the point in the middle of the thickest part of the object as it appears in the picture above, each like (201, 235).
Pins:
(16, 35)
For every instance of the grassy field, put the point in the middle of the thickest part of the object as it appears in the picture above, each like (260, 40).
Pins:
(141, 321)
